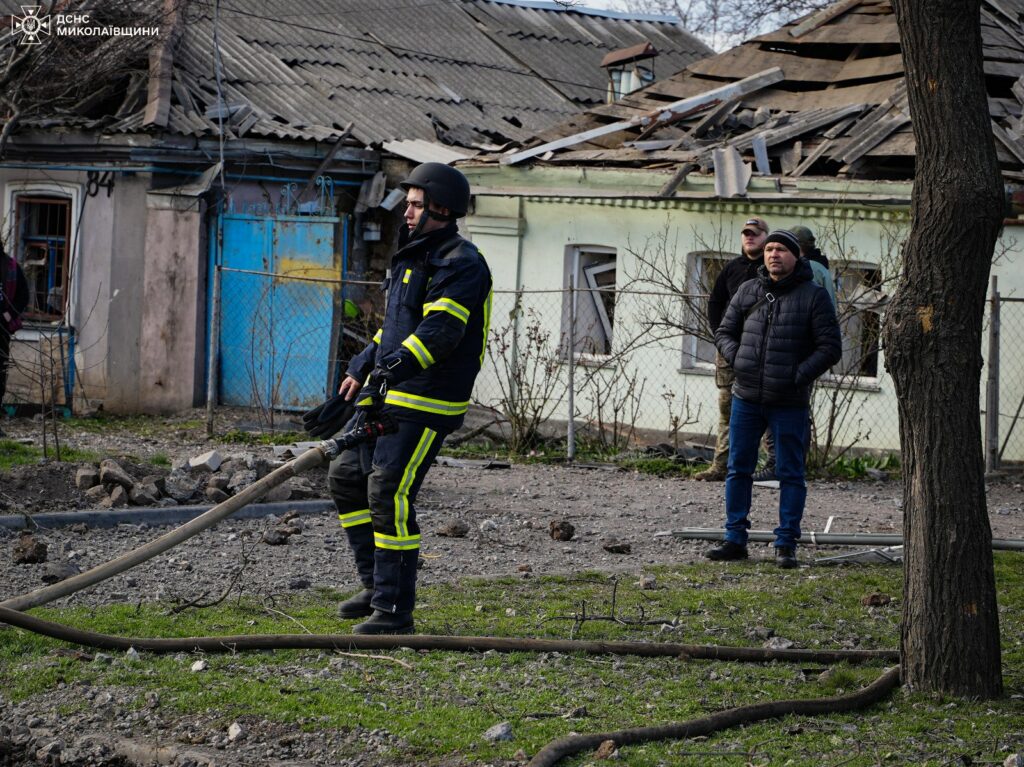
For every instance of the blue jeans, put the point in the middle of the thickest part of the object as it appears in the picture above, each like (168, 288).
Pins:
(788, 425)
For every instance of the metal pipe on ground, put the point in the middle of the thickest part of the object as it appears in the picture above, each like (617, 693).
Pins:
(830, 539)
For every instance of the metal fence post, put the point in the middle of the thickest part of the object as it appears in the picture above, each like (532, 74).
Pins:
(211, 354)
(570, 437)
(992, 388)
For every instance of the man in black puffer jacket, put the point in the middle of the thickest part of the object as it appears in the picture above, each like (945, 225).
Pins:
(778, 334)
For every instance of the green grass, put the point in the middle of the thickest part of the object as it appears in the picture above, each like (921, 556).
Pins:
(443, 702)
(239, 437)
(15, 454)
(138, 425)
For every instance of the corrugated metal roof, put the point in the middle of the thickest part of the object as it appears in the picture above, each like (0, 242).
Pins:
(841, 108)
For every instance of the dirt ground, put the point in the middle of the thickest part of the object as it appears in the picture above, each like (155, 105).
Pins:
(507, 512)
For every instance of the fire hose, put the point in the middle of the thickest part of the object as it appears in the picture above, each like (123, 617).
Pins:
(11, 612)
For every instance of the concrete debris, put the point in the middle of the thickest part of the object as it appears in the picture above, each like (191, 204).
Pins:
(209, 461)
(111, 473)
(276, 537)
(199, 665)
(876, 599)
(779, 643)
(59, 571)
(615, 546)
(235, 732)
(215, 495)
(606, 750)
(278, 494)
(87, 477)
(647, 583)
(499, 732)
(118, 497)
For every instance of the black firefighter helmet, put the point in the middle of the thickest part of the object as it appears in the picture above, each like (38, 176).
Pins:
(442, 185)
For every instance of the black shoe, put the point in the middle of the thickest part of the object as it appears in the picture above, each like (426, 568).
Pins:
(357, 606)
(785, 557)
(385, 623)
(767, 474)
(726, 551)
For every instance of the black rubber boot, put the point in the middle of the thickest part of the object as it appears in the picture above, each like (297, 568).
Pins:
(726, 551)
(386, 623)
(357, 606)
(785, 557)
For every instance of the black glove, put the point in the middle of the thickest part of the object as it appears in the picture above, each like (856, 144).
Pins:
(327, 419)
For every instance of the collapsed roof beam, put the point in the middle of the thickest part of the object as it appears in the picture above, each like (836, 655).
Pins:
(823, 17)
(666, 114)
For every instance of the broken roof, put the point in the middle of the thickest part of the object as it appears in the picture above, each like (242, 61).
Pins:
(823, 95)
(475, 73)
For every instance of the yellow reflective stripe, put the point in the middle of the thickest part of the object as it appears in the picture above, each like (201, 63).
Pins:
(396, 543)
(377, 336)
(426, 404)
(364, 401)
(402, 492)
(405, 279)
(453, 308)
(487, 325)
(419, 351)
(353, 518)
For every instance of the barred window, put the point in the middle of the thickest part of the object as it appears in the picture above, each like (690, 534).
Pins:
(42, 244)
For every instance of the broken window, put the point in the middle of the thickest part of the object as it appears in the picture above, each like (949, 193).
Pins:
(626, 79)
(699, 343)
(592, 303)
(860, 302)
(42, 238)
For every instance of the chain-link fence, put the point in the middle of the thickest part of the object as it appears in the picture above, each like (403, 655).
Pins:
(1003, 393)
(643, 367)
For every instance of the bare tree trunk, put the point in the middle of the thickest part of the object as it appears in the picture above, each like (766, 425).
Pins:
(950, 630)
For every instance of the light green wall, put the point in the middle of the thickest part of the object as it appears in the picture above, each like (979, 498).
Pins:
(525, 219)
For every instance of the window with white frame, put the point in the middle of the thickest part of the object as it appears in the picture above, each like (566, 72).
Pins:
(41, 244)
(859, 309)
(591, 304)
(703, 268)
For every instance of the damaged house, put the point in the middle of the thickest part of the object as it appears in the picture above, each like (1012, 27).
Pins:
(194, 187)
(630, 208)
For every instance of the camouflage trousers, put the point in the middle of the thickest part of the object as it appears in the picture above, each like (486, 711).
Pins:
(724, 378)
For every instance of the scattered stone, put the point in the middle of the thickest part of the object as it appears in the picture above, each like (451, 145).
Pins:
(520, 755)
(877, 474)
(615, 546)
(236, 732)
(303, 489)
(298, 584)
(279, 494)
(647, 583)
(499, 732)
(180, 486)
(131, 654)
(118, 497)
(488, 526)
(561, 530)
(86, 477)
(606, 750)
(216, 495)
(241, 480)
(455, 528)
(79, 528)
(209, 461)
(1014, 760)
(144, 494)
(102, 699)
(219, 481)
(152, 699)
(50, 753)
(28, 550)
(96, 494)
(59, 571)
(276, 537)
(199, 665)
(760, 633)
(111, 473)
(779, 643)
(524, 568)
(876, 599)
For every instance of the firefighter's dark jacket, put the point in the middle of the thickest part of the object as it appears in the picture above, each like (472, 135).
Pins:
(436, 317)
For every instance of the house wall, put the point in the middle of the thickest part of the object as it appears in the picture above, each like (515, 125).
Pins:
(527, 226)
(106, 258)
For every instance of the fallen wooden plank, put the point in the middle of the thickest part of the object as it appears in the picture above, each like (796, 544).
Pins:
(812, 158)
(677, 178)
(713, 118)
(823, 17)
(872, 137)
(840, 33)
(665, 114)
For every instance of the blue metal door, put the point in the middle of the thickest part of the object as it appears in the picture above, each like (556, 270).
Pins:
(280, 284)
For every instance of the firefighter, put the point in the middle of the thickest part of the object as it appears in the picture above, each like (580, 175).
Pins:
(418, 371)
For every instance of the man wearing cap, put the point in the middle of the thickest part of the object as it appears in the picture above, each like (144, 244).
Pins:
(779, 333)
(821, 276)
(733, 274)
(418, 371)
